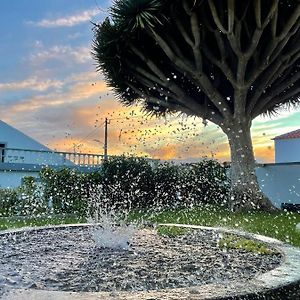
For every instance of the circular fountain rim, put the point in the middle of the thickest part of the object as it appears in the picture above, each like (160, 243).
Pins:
(286, 276)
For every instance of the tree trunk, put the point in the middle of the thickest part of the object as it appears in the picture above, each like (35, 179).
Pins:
(245, 191)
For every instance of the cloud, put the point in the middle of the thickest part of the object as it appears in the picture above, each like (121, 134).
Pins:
(64, 53)
(67, 21)
(77, 110)
(77, 93)
(32, 83)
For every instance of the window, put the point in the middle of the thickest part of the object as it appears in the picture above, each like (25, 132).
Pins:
(2, 152)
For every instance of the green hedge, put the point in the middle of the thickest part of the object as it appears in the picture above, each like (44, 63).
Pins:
(128, 182)
(68, 190)
(26, 200)
(122, 183)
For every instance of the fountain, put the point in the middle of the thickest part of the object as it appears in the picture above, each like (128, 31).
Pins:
(106, 260)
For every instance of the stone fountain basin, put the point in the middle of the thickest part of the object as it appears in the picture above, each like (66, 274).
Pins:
(283, 282)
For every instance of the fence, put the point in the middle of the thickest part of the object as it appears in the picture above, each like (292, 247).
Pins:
(42, 157)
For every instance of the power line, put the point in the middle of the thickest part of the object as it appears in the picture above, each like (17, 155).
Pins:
(88, 135)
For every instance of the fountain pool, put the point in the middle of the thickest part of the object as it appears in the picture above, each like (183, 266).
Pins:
(65, 261)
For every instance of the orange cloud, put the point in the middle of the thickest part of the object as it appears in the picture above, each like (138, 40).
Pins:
(131, 132)
(77, 93)
(86, 90)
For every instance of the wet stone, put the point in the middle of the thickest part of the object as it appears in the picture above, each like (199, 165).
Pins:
(67, 259)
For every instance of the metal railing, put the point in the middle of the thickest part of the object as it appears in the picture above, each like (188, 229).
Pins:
(43, 157)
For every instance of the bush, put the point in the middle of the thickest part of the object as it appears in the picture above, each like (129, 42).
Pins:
(68, 190)
(128, 182)
(22, 201)
(31, 201)
(168, 185)
(205, 182)
(8, 200)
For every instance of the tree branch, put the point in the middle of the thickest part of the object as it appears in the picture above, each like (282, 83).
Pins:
(257, 9)
(273, 50)
(280, 44)
(197, 40)
(272, 66)
(279, 99)
(222, 65)
(284, 68)
(274, 24)
(264, 81)
(213, 117)
(259, 30)
(183, 32)
(234, 39)
(183, 65)
(292, 20)
(182, 97)
(152, 66)
(200, 77)
(267, 98)
(215, 16)
(231, 8)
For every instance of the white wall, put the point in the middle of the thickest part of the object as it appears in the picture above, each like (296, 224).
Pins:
(13, 179)
(280, 182)
(287, 150)
(37, 158)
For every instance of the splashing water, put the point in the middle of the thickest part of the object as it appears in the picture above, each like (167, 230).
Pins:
(111, 230)
(108, 233)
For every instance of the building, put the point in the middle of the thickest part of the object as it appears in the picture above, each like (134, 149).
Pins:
(280, 181)
(287, 147)
(21, 156)
(17, 147)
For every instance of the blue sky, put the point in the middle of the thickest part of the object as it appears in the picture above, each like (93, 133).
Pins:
(50, 90)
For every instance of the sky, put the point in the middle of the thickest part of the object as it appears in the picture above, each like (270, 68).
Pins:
(51, 91)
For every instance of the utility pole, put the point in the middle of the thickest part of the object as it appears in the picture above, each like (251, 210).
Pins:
(105, 139)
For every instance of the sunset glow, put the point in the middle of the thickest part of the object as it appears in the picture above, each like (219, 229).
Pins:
(51, 91)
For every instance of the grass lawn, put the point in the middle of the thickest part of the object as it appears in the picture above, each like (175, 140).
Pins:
(280, 225)
(17, 222)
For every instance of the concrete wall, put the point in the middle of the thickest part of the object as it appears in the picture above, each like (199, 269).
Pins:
(13, 179)
(287, 150)
(280, 182)
(12, 174)
(31, 157)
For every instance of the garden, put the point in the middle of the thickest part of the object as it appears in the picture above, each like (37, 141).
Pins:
(145, 192)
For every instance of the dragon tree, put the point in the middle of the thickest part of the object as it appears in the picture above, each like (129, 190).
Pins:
(225, 61)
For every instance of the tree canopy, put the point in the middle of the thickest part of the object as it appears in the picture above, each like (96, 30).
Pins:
(216, 59)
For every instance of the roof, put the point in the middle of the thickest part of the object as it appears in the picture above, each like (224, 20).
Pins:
(290, 135)
(14, 138)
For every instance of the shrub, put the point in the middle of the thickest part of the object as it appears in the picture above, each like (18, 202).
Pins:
(205, 182)
(24, 200)
(31, 201)
(8, 200)
(167, 185)
(131, 182)
(67, 189)
(128, 182)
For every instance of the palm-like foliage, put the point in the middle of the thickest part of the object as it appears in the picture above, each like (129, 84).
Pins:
(226, 61)
(136, 13)
(234, 45)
